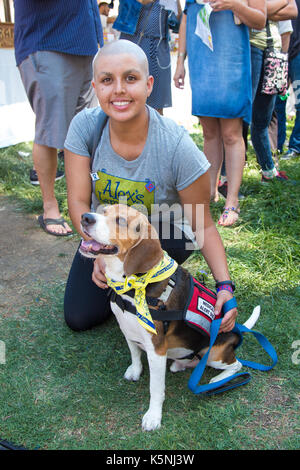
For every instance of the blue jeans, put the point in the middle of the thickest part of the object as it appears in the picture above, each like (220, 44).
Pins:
(294, 72)
(262, 110)
(280, 106)
(128, 16)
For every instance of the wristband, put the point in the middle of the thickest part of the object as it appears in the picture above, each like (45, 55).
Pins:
(225, 287)
(181, 54)
(228, 285)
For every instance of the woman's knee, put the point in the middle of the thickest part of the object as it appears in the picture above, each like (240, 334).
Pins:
(232, 131)
(231, 139)
(75, 321)
(210, 128)
(81, 321)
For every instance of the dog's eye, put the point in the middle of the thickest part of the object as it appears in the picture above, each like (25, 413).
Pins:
(121, 221)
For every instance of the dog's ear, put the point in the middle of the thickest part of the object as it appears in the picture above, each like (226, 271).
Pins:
(145, 254)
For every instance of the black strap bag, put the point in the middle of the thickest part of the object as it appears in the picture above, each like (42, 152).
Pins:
(275, 80)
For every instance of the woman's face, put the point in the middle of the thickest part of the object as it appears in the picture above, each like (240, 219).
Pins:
(122, 86)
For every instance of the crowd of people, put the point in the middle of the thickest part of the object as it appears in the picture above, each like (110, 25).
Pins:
(226, 87)
(68, 72)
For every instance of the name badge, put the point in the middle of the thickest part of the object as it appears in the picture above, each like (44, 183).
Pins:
(94, 176)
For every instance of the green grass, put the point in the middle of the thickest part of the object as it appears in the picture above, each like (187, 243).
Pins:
(65, 390)
(14, 180)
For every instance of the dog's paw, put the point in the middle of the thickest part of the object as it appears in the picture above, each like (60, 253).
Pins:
(176, 366)
(133, 373)
(151, 420)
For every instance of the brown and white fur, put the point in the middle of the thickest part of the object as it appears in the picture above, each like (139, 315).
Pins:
(129, 245)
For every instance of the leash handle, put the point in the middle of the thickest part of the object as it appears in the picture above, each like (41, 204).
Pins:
(234, 380)
(230, 304)
(215, 387)
(265, 344)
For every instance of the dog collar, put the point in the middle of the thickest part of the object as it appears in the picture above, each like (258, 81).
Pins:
(164, 269)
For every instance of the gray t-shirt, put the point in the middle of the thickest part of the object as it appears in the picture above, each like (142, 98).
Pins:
(169, 162)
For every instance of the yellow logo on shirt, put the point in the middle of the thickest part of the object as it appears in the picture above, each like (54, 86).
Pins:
(111, 189)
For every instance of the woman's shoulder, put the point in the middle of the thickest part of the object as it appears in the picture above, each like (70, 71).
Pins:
(166, 125)
(87, 115)
(80, 135)
(86, 121)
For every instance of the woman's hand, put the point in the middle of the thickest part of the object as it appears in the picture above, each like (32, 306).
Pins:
(98, 275)
(228, 321)
(252, 13)
(219, 5)
(179, 75)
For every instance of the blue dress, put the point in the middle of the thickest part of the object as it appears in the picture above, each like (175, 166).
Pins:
(154, 42)
(220, 79)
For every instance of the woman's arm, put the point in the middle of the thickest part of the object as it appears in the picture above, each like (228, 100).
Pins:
(79, 187)
(273, 6)
(77, 169)
(279, 10)
(179, 9)
(252, 13)
(195, 200)
(285, 41)
(180, 70)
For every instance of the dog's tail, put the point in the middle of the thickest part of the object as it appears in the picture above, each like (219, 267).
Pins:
(253, 318)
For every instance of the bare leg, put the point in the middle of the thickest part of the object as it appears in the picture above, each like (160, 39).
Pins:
(45, 164)
(235, 160)
(213, 149)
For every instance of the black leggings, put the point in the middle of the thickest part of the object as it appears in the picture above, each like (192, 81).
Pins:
(86, 305)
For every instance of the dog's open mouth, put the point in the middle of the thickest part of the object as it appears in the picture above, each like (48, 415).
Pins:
(95, 248)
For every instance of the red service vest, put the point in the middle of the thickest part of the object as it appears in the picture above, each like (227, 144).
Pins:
(199, 310)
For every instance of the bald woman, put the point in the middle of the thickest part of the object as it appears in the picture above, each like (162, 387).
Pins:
(149, 160)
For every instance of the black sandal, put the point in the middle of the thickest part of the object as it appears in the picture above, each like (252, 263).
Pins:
(45, 222)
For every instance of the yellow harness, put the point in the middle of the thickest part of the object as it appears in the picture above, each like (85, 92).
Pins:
(164, 269)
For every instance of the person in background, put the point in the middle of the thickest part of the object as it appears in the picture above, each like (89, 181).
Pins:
(145, 22)
(106, 20)
(55, 43)
(220, 77)
(277, 127)
(263, 104)
(294, 75)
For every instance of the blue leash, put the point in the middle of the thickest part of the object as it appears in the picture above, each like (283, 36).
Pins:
(234, 380)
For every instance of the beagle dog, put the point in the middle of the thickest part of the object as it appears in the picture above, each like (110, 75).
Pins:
(130, 245)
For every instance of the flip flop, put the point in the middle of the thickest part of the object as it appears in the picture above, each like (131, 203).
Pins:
(45, 222)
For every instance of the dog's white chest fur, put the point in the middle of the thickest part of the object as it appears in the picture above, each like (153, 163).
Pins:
(130, 326)
(114, 268)
(128, 322)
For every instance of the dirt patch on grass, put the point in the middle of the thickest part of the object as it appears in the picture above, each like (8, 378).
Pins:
(275, 417)
(29, 257)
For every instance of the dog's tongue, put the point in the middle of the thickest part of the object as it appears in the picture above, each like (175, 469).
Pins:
(90, 245)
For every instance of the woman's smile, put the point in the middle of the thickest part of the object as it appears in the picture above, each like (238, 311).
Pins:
(121, 104)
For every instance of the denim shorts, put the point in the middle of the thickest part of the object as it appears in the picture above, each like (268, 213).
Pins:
(58, 86)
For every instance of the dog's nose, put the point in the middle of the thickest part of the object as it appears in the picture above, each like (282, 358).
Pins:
(88, 219)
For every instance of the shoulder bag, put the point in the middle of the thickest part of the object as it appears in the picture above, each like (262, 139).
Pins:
(275, 80)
